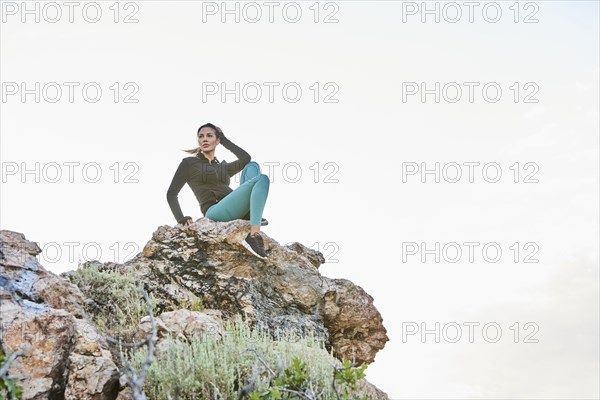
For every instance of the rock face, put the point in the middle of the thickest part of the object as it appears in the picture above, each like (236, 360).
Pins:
(65, 357)
(284, 291)
(182, 325)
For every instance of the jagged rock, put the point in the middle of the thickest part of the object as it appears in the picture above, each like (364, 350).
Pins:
(44, 336)
(371, 391)
(63, 355)
(21, 273)
(284, 291)
(182, 325)
(314, 257)
(352, 321)
(92, 372)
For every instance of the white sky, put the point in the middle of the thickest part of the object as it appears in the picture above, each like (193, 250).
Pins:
(362, 219)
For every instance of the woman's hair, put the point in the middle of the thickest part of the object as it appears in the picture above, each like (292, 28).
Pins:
(214, 128)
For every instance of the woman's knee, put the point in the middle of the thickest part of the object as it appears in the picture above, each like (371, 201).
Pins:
(259, 178)
(252, 165)
(250, 171)
(264, 178)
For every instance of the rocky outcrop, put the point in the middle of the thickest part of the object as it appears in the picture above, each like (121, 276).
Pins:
(63, 355)
(66, 357)
(285, 291)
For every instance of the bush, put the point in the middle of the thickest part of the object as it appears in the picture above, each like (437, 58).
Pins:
(249, 362)
(119, 306)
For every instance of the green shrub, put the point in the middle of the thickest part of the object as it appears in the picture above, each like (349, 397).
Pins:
(245, 360)
(119, 303)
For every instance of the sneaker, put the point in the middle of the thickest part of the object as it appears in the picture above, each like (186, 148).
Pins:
(255, 245)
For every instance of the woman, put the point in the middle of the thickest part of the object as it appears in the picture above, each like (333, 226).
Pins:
(209, 180)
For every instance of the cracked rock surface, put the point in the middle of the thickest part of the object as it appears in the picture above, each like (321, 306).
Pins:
(65, 357)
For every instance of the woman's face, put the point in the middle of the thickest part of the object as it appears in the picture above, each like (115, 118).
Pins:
(207, 139)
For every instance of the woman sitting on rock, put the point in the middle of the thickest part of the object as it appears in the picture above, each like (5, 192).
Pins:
(209, 180)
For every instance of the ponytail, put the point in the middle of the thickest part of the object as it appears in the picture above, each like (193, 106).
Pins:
(195, 151)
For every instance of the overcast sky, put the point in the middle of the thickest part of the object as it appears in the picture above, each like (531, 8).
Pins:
(344, 105)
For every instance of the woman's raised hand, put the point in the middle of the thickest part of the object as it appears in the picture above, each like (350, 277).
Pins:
(222, 137)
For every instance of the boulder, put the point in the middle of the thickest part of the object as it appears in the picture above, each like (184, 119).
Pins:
(43, 316)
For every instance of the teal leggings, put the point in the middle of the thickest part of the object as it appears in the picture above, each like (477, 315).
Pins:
(251, 196)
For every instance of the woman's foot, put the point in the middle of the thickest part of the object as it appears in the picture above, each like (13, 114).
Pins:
(254, 244)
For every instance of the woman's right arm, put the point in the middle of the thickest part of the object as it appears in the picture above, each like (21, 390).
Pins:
(179, 179)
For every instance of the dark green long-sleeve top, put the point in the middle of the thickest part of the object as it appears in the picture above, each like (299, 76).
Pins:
(208, 180)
